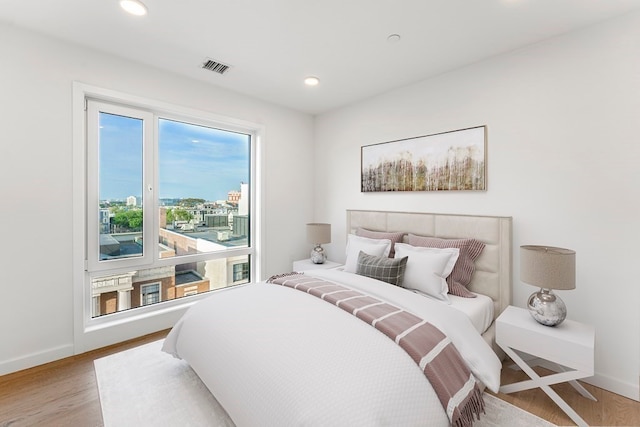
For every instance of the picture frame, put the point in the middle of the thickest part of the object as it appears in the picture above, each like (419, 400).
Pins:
(447, 161)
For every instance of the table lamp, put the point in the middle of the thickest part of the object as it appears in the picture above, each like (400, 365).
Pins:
(548, 268)
(318, 233)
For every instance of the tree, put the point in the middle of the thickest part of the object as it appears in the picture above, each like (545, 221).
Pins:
(128, 219)
(183, 215)
(191, 202)
(178, 215)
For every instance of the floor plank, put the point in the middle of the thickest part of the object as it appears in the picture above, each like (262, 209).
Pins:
(609, 410)
(60, 393)
(65, 393)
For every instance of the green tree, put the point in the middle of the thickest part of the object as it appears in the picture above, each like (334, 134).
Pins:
(183, 215)
(128, 219)
(135, 219)
(191, 202)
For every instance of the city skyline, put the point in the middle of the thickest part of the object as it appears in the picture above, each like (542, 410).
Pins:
(194, 161)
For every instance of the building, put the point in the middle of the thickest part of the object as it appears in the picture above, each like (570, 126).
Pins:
(105, 220)
(243, 201)
(233, 196)
(136, 289)
(112, 293)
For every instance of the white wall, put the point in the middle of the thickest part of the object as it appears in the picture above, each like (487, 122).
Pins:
(563, 120)
(36, 75)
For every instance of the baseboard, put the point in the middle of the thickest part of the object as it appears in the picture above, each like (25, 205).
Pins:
(614, 385)
(629, 390)
(35, 359)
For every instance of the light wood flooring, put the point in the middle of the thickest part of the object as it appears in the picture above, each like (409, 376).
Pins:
(610, 409)
(61, 393)
(64, 393)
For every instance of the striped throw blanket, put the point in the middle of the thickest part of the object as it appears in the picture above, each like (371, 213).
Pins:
(432, 351)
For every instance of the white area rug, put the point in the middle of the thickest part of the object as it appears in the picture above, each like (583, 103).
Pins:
(146, 387)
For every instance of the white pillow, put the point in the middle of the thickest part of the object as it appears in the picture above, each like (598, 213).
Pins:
(427, 269)
(355, 244)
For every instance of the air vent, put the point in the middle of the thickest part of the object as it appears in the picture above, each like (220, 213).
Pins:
(215, 66)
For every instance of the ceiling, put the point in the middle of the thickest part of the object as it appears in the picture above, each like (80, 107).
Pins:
(272, 45)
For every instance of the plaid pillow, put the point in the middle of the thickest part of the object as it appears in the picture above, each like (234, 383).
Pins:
(390, 270)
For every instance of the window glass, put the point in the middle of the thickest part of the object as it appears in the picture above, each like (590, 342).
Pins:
(241, 272)
(120, 181)
(123, 291)
(203, 190)
(150, 294)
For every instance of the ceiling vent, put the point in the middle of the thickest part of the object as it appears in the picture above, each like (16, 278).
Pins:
(215, 66)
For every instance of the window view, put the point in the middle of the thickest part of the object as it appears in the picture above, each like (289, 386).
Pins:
(204, 198)
(117, 292)
(201, 206)
(120, 165)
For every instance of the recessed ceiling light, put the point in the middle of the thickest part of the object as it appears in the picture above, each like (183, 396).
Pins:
(393, 38)
(311, 81)
(134, 7)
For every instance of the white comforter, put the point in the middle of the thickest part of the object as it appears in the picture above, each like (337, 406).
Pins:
(275, 356)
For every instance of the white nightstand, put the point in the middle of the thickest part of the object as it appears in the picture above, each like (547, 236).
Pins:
(569, 345)
(306, 264)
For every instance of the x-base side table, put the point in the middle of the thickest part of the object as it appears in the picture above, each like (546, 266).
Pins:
(569, 345)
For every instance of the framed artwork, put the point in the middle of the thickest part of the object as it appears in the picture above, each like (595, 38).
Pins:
(448, 161)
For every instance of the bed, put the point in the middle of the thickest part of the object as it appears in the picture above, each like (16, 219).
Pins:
(273, 355)
(493, 268)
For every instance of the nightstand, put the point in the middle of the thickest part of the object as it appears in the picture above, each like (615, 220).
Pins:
(306, 264)
(569, 346)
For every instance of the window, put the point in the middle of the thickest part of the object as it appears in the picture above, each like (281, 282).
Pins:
(150, 294)
(170, 205)
(240, 272)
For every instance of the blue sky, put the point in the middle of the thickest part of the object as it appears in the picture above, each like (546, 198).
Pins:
(195, 161)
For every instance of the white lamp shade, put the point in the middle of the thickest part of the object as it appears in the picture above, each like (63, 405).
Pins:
(318, 233)
(548, 267)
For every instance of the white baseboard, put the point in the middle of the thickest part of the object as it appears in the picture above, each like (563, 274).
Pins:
(614, 385)
(107, 333)
(35, 359)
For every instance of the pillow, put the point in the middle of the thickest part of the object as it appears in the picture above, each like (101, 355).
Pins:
(460, 277)
(395, 237)
(427, 269)
(390, 270)
(355, 244)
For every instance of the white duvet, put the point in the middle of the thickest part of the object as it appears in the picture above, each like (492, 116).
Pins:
(275, 356)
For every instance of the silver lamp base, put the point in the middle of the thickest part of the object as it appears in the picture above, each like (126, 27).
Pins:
(547, 308)
(317, 255)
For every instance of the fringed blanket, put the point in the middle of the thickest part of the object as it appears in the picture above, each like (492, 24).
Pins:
(430, 349)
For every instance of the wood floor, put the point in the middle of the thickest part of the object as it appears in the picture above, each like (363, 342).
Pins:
(610, 409)
(64, 393)
(61, 393)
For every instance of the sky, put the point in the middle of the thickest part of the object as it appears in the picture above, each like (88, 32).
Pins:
(194, 161)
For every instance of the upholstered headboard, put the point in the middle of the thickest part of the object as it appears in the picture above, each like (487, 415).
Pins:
(493, 273)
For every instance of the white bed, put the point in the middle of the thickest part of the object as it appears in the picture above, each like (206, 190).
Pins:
(479, 310)
(277, 356)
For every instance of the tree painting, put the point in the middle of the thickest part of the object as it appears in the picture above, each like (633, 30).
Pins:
(446, 161)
